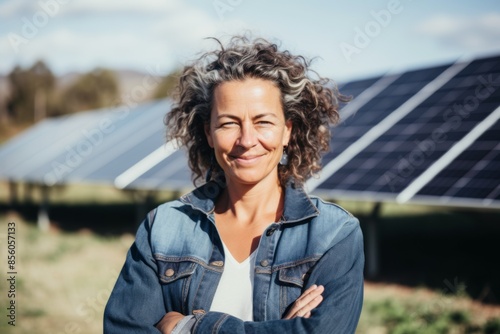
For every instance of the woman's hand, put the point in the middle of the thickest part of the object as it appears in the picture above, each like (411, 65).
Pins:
(307, 301)
(168, 322)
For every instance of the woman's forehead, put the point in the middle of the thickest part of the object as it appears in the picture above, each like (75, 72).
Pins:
(255, 95)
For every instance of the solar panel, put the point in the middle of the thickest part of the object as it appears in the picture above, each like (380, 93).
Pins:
(172, 173)
(364, 125)
(354, 88)
(22, 157)
(89, 146)
(386, 166)
(472, 177)
(134, 137)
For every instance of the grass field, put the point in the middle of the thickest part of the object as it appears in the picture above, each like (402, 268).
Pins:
(63, 280)
(65, 275)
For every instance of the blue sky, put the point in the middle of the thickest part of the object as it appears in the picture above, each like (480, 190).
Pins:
(352, 39)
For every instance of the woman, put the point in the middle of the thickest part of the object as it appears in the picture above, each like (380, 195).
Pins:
(248, 251)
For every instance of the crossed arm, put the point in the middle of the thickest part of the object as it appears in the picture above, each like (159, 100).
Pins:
(302, 307)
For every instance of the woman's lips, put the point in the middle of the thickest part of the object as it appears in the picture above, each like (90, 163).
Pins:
(246, 159)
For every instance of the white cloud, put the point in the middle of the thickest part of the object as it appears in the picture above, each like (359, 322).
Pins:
(112, 33)
(185, 29)
(470, 34)
(68, 50)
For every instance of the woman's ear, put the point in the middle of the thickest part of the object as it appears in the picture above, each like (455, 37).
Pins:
(210, 141)
(288, 132)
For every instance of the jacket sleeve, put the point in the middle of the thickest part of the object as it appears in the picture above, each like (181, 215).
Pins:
(340, 271)
(136, 302)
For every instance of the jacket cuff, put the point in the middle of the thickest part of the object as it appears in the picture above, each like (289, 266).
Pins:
(185, 325)
(212, 322)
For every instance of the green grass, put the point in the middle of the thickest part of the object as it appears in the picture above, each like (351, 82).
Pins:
(437, 316)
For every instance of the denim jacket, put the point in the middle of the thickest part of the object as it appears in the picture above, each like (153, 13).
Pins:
(177, 259)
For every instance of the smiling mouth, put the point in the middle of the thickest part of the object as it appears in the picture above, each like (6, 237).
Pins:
(246, 159)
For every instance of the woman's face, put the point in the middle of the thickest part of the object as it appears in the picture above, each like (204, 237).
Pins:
(248, 130)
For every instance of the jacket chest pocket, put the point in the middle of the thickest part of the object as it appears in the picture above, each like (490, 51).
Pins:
(292, 279)
(176, 276)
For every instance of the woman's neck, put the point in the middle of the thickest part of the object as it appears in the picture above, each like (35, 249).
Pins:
(252, 203)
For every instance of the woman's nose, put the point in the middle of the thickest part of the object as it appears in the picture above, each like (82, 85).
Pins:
(248, 136)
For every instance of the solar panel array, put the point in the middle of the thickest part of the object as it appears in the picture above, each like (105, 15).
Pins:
(395, 92)
(392, 163)
(425, 136)
(95, 146)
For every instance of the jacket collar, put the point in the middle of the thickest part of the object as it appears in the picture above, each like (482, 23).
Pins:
(298, 205)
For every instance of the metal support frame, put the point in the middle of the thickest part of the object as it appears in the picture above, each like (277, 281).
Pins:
(28, 192)
(43, 221)
(143, 200)
(13, 193)
(372, 243)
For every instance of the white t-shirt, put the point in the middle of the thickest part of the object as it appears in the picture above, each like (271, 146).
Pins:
(234, 294)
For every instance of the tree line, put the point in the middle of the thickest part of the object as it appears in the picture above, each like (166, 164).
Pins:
(35, 95)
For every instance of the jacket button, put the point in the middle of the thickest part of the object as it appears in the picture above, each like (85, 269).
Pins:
(270, 231)
(217, 263)
(198, 312)
(169, 272)
(264, 263)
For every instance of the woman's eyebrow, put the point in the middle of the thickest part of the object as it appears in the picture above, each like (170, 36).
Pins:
(227, 115)
(265, 115)
(254, 117)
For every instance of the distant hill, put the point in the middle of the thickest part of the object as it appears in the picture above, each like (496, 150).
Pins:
(127, 80)
(4, 87)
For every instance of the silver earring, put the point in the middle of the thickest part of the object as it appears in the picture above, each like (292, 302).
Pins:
(284, 158)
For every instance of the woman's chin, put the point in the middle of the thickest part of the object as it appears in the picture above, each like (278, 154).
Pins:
(248, 177)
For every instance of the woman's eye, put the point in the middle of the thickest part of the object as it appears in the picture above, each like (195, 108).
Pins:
(228, 124)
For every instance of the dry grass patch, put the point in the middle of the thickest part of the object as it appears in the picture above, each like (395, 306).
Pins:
(64, 280)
